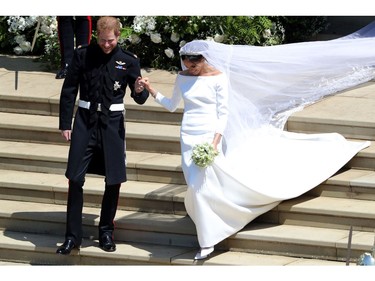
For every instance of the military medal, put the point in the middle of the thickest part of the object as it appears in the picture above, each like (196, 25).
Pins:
(120, 65)
(116, 86)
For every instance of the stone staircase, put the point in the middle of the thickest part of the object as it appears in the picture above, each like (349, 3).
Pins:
(152, 227)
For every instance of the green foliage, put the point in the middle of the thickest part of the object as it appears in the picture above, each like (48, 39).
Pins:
(17, 35)
(5, 36)
(157, 40)
(51, 55)
(223, 29)
(299, 28)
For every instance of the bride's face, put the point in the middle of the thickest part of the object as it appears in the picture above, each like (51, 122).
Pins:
(194, 67)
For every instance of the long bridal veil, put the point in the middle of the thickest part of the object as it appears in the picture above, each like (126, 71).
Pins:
(266, 85)
(269, 83)
(263, 164)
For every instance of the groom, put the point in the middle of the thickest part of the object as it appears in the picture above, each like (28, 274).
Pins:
(101, 72)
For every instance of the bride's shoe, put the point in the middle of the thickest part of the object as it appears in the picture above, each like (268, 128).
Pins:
(204, 253)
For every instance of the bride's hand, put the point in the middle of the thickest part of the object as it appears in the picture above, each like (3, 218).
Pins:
(214, 146)
(145, 81)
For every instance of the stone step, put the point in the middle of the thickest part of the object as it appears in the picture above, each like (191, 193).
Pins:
(131, 226)
(324, 116)
(44, 129)
(152, 224)
(324, 212)
(150, 112)
(302, 241)
(39, 94)
(159, 197)
(348, 113)
(52, 158)
(53, 189)
(141, 166)
(350, 183)
(39, 249)
(26, 219)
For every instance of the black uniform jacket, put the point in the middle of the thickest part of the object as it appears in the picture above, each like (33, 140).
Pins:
(100, 78)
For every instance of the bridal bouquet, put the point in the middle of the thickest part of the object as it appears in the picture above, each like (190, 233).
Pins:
(203, 154)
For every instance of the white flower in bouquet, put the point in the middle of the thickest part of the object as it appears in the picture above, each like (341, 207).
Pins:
(203, 154)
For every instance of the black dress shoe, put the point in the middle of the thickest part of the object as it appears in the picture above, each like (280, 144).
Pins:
(106, 243)
(61, 74)
(66, 248)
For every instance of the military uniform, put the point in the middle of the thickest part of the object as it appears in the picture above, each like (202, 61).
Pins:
(98, 135)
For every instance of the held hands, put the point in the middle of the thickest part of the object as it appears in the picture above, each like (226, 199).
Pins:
(147, 84)
(138, 85)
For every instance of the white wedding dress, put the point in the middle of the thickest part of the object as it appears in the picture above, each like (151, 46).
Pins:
(260, 164)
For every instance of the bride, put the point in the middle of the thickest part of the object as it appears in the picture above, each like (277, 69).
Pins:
(238, 99)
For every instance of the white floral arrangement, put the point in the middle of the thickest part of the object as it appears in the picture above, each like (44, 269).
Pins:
(203, 154)
(45, 26)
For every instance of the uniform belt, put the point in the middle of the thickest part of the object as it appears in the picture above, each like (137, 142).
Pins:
(113, 107)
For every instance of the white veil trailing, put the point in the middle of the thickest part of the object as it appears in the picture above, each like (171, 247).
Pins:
(267, 84)
(263, 164)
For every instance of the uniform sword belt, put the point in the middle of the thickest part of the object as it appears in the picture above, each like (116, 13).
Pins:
(113, 107)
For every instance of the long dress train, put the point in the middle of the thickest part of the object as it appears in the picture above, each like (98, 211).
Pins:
(260, 164)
